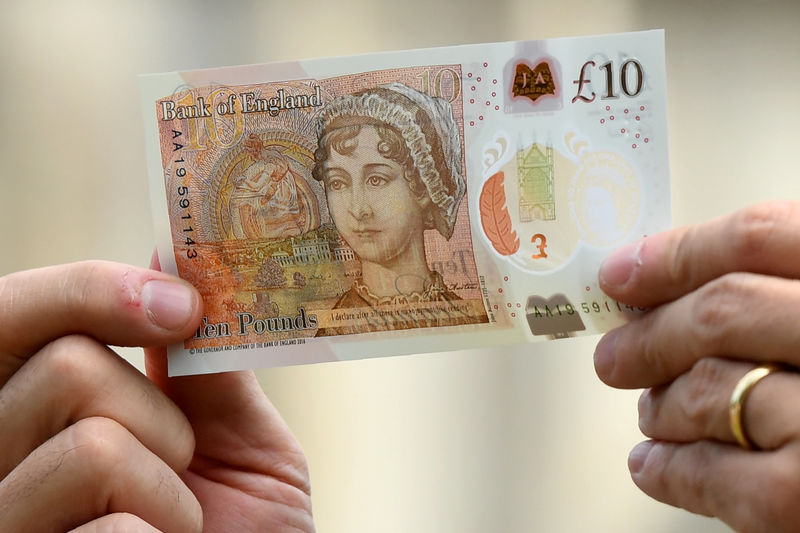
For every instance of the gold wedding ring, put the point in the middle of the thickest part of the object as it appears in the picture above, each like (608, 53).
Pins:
(738, 398)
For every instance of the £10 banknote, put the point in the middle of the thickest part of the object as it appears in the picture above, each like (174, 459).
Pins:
(410, 202)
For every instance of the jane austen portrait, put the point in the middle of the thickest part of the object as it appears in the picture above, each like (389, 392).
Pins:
(390, 161)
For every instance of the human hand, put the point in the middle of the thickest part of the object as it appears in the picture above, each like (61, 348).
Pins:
(248, 472)
(90, 443)
(725, 297)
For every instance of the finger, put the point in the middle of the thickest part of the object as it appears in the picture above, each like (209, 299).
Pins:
(76, 377)
(115, 523)
(117, 304)
(761, 239)
(753, 492)
(740, 316)
(695, 406)
(93, 468)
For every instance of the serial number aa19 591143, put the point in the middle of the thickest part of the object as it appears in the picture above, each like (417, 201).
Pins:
(585, 307)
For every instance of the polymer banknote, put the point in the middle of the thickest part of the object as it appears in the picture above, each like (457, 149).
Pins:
(407, 202)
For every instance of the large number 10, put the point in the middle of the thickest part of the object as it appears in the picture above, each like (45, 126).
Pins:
(623, 78)
(437, 88)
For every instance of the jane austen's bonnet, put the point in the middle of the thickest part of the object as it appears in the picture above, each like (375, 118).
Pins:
(429, 130)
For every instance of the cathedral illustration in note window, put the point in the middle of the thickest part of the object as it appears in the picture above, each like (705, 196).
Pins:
(535, 174)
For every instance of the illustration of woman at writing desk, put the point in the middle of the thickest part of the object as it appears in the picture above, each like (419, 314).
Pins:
(390, 160)
(270, 200)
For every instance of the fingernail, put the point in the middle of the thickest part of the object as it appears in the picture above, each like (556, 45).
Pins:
(617, 268)
(604, 357)
(168, 304)
(645, 402)
(638, 456)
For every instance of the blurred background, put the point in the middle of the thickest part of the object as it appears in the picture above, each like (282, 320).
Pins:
(518, 440)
